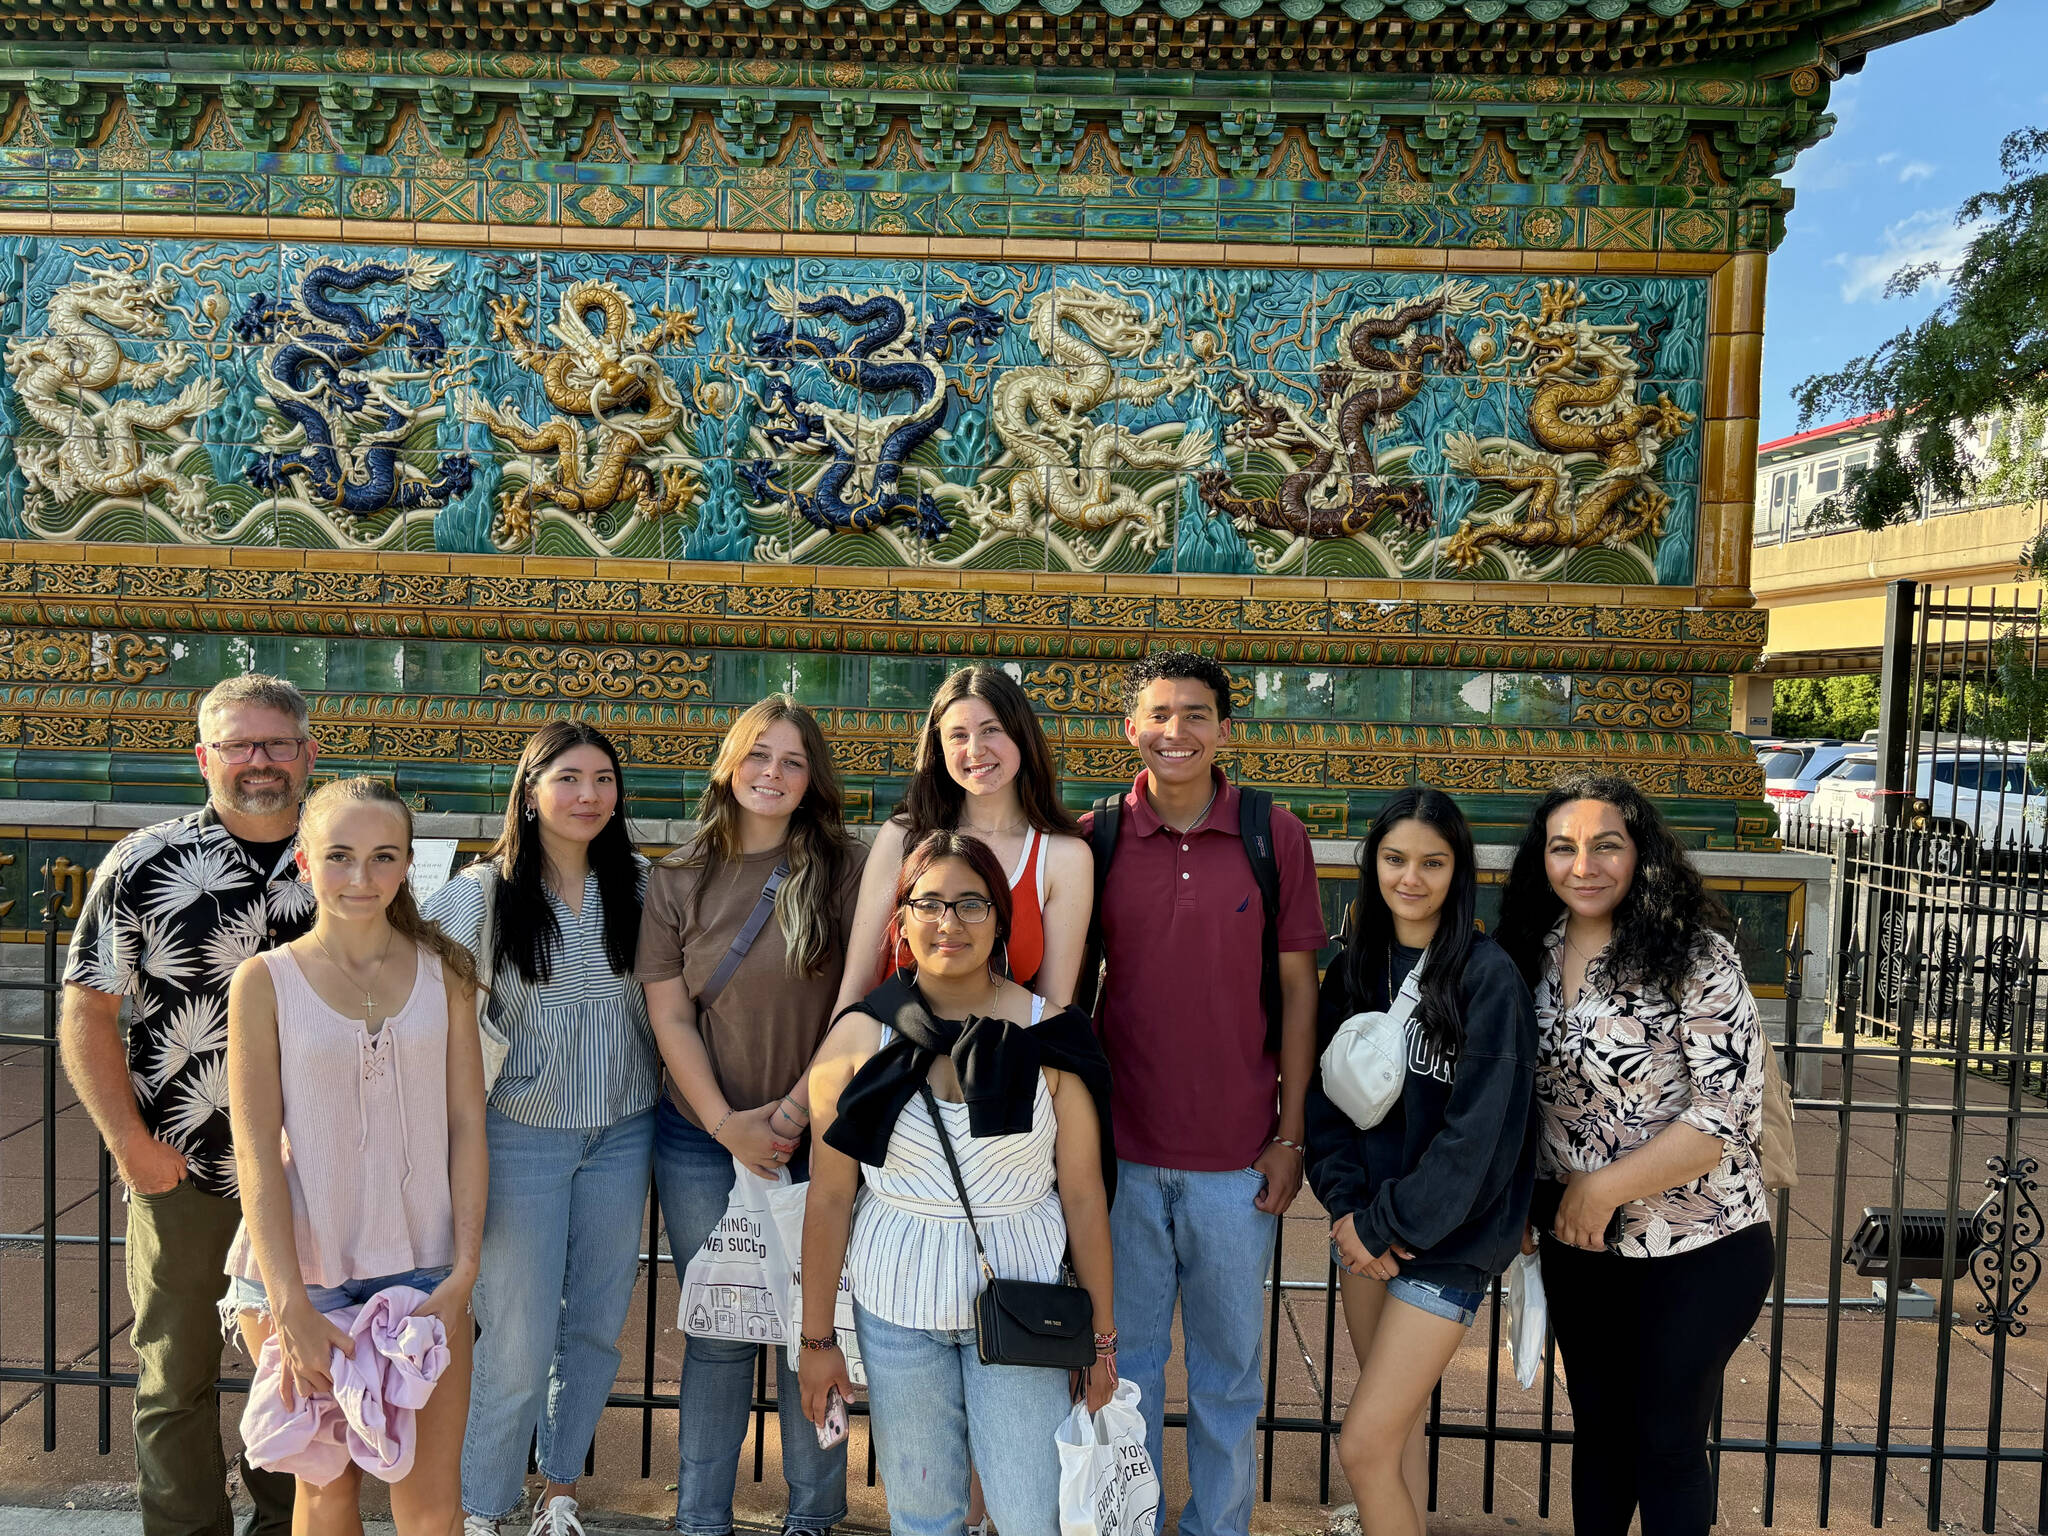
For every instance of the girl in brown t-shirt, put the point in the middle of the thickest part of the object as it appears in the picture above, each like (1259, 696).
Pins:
(737, 1047)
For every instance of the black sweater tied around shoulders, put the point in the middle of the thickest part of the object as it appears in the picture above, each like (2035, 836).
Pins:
(998, 1062)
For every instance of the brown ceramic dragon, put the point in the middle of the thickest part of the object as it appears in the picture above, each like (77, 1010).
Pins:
(608, 376)
(1585, 405)
(1385, 374)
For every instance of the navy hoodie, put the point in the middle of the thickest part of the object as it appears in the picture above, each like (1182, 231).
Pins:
(1447, 1175)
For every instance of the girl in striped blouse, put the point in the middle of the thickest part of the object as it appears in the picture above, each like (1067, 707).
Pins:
(570, 1121)
(1033, 1160)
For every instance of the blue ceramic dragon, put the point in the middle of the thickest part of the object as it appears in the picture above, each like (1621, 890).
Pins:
(353, 423)
(862, 487)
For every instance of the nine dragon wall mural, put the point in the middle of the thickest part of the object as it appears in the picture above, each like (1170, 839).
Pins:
(970, 415)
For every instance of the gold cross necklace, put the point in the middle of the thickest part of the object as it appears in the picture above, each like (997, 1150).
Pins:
(369, 988)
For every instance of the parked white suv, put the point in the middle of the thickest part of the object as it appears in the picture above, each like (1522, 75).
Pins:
(1986, 794)
(1793, 768)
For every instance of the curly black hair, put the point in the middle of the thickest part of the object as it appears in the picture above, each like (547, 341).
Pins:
(1659, 921)
(1191, 665)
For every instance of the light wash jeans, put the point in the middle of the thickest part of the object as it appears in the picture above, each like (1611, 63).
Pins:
(693, 1176)
(561, 1252)
(1199, 1237)
(933, 1407)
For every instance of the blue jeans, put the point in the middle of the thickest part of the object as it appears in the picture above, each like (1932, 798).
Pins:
(248, 1296)
(561, 1253)
(934, 1408)
(1198, 1237)
(693, 1176)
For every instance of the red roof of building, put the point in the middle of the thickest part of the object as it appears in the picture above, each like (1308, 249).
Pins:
(1818, 433)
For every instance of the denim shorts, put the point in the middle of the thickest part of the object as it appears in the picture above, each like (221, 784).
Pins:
(248, 1296)
(1453, 1302)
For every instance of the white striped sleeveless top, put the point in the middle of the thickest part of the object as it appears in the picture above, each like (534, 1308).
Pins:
(911, 1258)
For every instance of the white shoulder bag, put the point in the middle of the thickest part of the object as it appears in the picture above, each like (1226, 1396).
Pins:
(496, 1046)
(1366, 1065)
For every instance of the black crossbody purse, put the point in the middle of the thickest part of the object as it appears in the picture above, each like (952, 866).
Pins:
(1021, 1322)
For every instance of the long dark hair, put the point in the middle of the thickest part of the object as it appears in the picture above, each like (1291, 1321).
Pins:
(1659, 921)
(528, 930)
(1441, 1012)
(933, 800)
(819, 848)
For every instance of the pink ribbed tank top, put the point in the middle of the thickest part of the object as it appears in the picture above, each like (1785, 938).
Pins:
(365, 1132)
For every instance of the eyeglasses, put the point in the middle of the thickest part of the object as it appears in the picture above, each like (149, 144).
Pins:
(279, 749)
(969, 909)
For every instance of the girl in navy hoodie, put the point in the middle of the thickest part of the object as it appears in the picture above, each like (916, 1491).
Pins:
(1427, 1207)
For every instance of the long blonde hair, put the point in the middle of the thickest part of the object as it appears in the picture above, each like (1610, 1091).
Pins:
(404, 913)
(819, 847)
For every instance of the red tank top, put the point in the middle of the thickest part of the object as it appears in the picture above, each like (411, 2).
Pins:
(1027, 918)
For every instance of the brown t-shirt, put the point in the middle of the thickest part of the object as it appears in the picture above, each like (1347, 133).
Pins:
(763, 1029)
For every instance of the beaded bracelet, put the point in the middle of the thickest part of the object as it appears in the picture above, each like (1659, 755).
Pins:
(1105, 1344)
(721, 1123)
(1293, 1146)
(830, 1341)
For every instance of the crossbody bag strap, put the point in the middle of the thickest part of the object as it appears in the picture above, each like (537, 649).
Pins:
(744, 939)
(946, 1145)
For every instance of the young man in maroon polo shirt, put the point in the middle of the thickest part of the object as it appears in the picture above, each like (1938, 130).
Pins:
(1209, 1123)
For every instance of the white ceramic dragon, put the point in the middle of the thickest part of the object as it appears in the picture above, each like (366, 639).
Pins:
(63, 379)
(1066, 461)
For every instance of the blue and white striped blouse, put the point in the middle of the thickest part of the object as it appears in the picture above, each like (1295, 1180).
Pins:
(911, 1258)
(582, 1056)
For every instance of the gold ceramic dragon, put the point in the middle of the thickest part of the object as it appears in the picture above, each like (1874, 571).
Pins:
(1585, 406)
(604, 373)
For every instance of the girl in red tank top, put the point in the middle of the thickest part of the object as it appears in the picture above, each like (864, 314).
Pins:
(984, 768)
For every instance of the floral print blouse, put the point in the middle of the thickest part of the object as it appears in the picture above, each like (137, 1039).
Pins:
(1625, 1061)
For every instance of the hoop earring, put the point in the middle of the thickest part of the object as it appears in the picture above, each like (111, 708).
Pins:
(905, 960)
(1004, 970)
(532, 812)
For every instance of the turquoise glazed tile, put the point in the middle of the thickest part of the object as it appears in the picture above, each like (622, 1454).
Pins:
(823, 682)
(1446, 697)
(365, 666)
(896, 682)
(1373, 693)
(443, 666)
(1531, 698)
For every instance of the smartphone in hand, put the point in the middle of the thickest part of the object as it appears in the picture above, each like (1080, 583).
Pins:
(833, 1430)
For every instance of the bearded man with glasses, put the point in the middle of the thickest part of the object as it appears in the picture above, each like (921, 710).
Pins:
(173, 910)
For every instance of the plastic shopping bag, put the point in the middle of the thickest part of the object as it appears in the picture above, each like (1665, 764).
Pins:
(787, 1204)
(1108, 1486)
(1528, 1317)
(738, 1284)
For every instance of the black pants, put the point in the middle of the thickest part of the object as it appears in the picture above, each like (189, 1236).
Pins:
(1644, 1344)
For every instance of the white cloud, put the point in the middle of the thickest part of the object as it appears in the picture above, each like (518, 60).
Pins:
(1916, 170)
(1888, 157)
(1931, 235)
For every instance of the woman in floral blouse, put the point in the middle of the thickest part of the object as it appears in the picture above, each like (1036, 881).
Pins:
(1656, 1243)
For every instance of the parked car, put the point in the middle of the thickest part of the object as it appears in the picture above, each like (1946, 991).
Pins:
(1792, 768)
(1972, 794)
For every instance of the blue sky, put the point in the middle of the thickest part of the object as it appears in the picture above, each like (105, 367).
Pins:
(1917, 131)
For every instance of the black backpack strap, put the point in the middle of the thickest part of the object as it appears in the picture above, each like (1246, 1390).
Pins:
(1255, 827)
(1105, 820)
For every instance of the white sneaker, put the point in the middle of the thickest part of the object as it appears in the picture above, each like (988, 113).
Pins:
(557, 1518)
(477, 1525)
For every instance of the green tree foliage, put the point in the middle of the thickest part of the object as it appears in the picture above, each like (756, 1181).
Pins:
(2010, 704)
(1982, 355)
(1843, 707)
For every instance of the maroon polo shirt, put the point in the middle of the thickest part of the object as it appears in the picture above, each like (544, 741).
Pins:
(1194, 1087)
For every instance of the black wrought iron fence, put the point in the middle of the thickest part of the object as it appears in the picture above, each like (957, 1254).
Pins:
(1924, 1079)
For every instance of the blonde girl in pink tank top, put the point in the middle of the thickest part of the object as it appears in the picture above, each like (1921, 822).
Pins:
(355, 1084)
